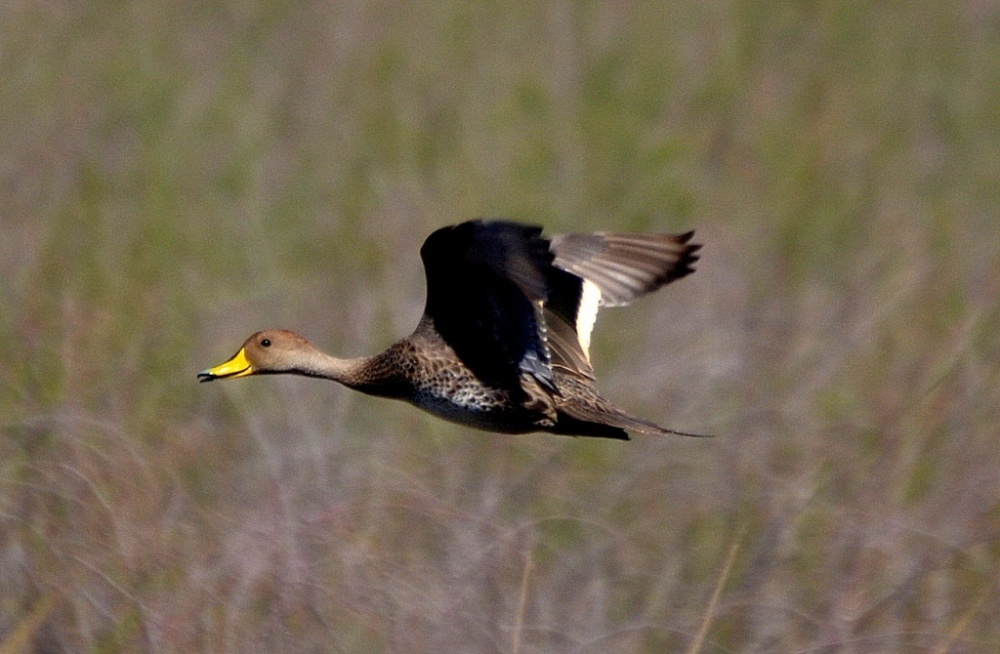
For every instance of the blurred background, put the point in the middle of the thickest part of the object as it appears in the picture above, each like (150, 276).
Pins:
(177, 175)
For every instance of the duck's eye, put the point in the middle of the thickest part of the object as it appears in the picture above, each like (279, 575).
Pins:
(266, 342)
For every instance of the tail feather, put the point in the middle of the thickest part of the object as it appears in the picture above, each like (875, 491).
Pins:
(606, 413)
(570, 426)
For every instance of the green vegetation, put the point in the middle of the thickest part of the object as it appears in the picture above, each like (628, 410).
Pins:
(174, 176)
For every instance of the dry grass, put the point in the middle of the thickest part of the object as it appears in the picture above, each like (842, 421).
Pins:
(174, 176)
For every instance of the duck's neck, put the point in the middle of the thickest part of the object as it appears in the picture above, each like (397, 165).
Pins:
(319, 364)
(366, 374)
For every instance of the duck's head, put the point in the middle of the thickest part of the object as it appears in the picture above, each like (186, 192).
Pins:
(270, 351)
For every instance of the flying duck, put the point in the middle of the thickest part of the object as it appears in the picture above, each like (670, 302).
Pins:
(504, 341)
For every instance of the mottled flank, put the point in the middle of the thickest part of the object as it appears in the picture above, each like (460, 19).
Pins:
(503, 344)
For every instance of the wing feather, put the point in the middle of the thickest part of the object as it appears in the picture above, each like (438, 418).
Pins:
(625, 266)
(511, 302)
(486, 283)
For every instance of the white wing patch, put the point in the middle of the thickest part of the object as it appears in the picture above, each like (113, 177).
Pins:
(586, 314)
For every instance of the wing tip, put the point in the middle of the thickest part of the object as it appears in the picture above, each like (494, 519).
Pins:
(689, 255)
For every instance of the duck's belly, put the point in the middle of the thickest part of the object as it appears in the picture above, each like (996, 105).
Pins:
(481, 408)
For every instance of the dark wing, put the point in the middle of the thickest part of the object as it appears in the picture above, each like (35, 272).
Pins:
(612, 269)
(509, 301)
(486, 284)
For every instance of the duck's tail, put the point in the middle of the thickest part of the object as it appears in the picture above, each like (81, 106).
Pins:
(604, 417)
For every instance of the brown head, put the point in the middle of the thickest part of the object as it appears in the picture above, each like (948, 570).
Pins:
(270, 351)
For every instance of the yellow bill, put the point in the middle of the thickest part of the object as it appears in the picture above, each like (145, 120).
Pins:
(238, 366)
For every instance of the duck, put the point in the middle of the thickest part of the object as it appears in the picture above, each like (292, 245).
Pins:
(503, 344)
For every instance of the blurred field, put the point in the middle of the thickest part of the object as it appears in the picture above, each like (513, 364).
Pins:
(175, 176)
